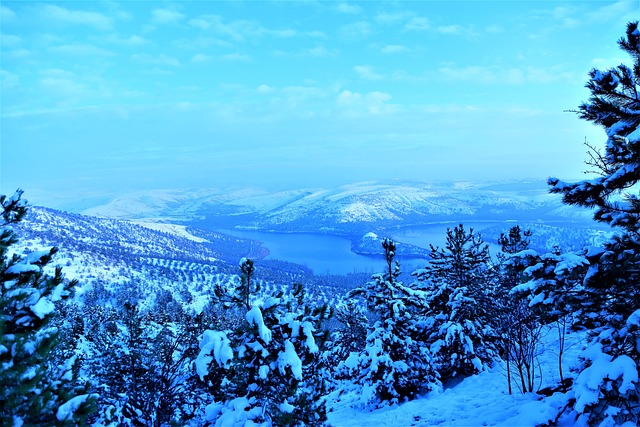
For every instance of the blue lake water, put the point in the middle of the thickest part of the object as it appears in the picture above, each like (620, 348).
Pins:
(332, 254)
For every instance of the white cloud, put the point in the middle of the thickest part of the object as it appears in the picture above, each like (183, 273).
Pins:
(417, 24)
(320, 52)
(199, 58)
(510, 76)
(236, 56)
(6, 13)
(133, 40)
(357, 30)
(348, 8)
(392, 18)
(265, 89)
(238, 30)
(80, 49)
(368, 73)
(9, 80)
(61, 14)
(286, 33)
(356, 104)
(165, 16)
(161, 59)
(9, 40)
(450, 29)
(394, 48)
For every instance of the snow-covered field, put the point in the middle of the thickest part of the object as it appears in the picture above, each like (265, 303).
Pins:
(480, 400)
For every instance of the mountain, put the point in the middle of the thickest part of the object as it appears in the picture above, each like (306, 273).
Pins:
(351, 210)
(157, 258)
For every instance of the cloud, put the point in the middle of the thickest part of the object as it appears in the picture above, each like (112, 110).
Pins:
(9, 80)
(133, 40)
(357, 104)
(236, 56)
(392, 18)
(417, 24)
(450, 29)
(6, 13)
(199, 58)
(348, 8)
(161, 59)
(165, 16)
(67, 16)
(65, 90)
(264, 89)
(320, 52)
(394, 48)
(494, 29)
(356, 31)
(80, 49)
(241, 29)
(499, 75)
(368, 73)
(9, 40)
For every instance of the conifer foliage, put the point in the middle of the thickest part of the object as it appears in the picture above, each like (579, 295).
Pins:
(395, 365)
(33, 390)
(270, 370)
(607, 389)
(458, 284)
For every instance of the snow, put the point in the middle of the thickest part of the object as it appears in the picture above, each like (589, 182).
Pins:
(480, 400)
(43, 307)
(21, 268)
(66, 410)
(286, 407)
(634, 319)
(176, 230)
(289, 358)
(603, 369)
(216, 343)
(254, 317)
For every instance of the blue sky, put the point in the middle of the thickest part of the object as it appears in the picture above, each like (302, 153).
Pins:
(122, 96)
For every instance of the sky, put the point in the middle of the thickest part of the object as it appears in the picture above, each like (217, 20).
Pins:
(106, 97)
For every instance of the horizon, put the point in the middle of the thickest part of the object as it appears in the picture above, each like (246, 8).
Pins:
(102, 98)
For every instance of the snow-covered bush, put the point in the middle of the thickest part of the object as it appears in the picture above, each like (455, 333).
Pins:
(270, 371)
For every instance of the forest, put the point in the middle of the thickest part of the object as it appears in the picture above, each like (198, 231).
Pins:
(263, 353)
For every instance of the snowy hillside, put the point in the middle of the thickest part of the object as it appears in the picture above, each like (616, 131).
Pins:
(157, 256)
(349, 209)
(480, 400)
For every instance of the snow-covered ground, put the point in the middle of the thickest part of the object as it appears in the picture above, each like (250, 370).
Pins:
(480, 400)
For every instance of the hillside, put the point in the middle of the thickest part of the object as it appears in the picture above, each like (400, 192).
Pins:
(347, 210)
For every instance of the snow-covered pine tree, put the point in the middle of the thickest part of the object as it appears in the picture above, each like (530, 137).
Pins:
(33, 392)
(350, 334)
(395, 365)
(606, 391)
(458, 284)
(269, 371)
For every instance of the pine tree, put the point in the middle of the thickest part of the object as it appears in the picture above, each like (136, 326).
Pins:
(395, 365)
(607, 389)
(270, 370)
(458, 283)
(33, 390)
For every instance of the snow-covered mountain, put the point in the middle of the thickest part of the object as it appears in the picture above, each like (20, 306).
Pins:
(157, 258)
(350, 209)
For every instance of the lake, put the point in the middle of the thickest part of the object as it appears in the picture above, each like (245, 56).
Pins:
(329, 254)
